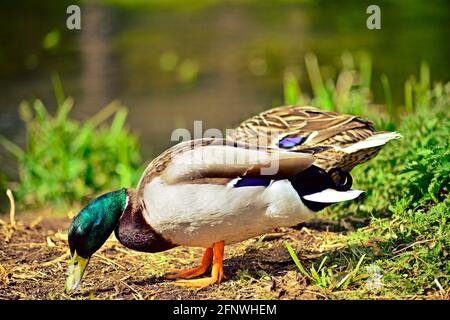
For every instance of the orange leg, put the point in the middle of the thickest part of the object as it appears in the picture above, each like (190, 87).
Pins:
(194, 272)
(216, 273)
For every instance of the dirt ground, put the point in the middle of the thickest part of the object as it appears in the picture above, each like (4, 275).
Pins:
(34, 256)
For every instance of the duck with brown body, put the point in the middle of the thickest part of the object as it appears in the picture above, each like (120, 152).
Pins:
(193, 195)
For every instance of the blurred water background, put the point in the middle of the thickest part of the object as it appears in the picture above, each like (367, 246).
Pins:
(173, 62)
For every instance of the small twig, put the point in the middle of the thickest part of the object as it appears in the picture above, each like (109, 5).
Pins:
(24, 277)
(412, 245)
(316, 293)
(134, 290)
(12, 211)
(441, 289)
(3, 275)
(109, 261)
(60, 258)
(35, 222)
(128, 252)
(27, 244)
(293, 239)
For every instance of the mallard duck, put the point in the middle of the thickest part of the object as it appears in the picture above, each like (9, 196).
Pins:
(337, 140)
(204, 193)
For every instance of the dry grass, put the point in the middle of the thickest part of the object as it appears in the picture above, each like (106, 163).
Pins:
(34, 256)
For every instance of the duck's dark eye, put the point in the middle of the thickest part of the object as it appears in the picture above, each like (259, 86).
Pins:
(342, 179)
(289, 142)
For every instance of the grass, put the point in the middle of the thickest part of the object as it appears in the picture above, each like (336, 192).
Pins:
(325, 277)
(65, 160)
(402, 223)
(348, 93)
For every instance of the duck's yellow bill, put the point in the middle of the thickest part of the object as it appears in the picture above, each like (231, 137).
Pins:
(75, 272)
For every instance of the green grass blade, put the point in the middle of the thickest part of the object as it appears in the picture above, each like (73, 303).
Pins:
(409, 96)
(291, 89)
(425, 76)
(322, 263)
(346, 280)
(314, 274)
(317, 84)
(104, 114)
(387, 95)
(58, 89)
(365, 70)
(119, 121)
(11, 147)
(296, 260)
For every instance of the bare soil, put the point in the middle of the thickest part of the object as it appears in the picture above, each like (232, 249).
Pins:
(34, 256)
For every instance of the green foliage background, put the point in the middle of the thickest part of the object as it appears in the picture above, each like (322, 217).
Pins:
(65, 161)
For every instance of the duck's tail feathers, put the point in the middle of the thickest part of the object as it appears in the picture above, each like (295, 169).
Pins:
(374, 141)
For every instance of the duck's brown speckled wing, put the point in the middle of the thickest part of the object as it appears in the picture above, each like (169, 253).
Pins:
(309, 129)
(315, 125)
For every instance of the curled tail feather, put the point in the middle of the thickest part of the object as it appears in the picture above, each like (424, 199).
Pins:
(374, 141)
(346, 158)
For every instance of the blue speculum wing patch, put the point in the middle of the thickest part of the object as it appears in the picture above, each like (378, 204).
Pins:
(252, 182)
(289, 142)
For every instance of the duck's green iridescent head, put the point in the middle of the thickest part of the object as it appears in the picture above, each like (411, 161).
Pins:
(90, 229)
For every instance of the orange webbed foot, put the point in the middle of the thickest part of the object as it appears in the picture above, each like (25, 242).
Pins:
(194, 272)
(216, 273)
